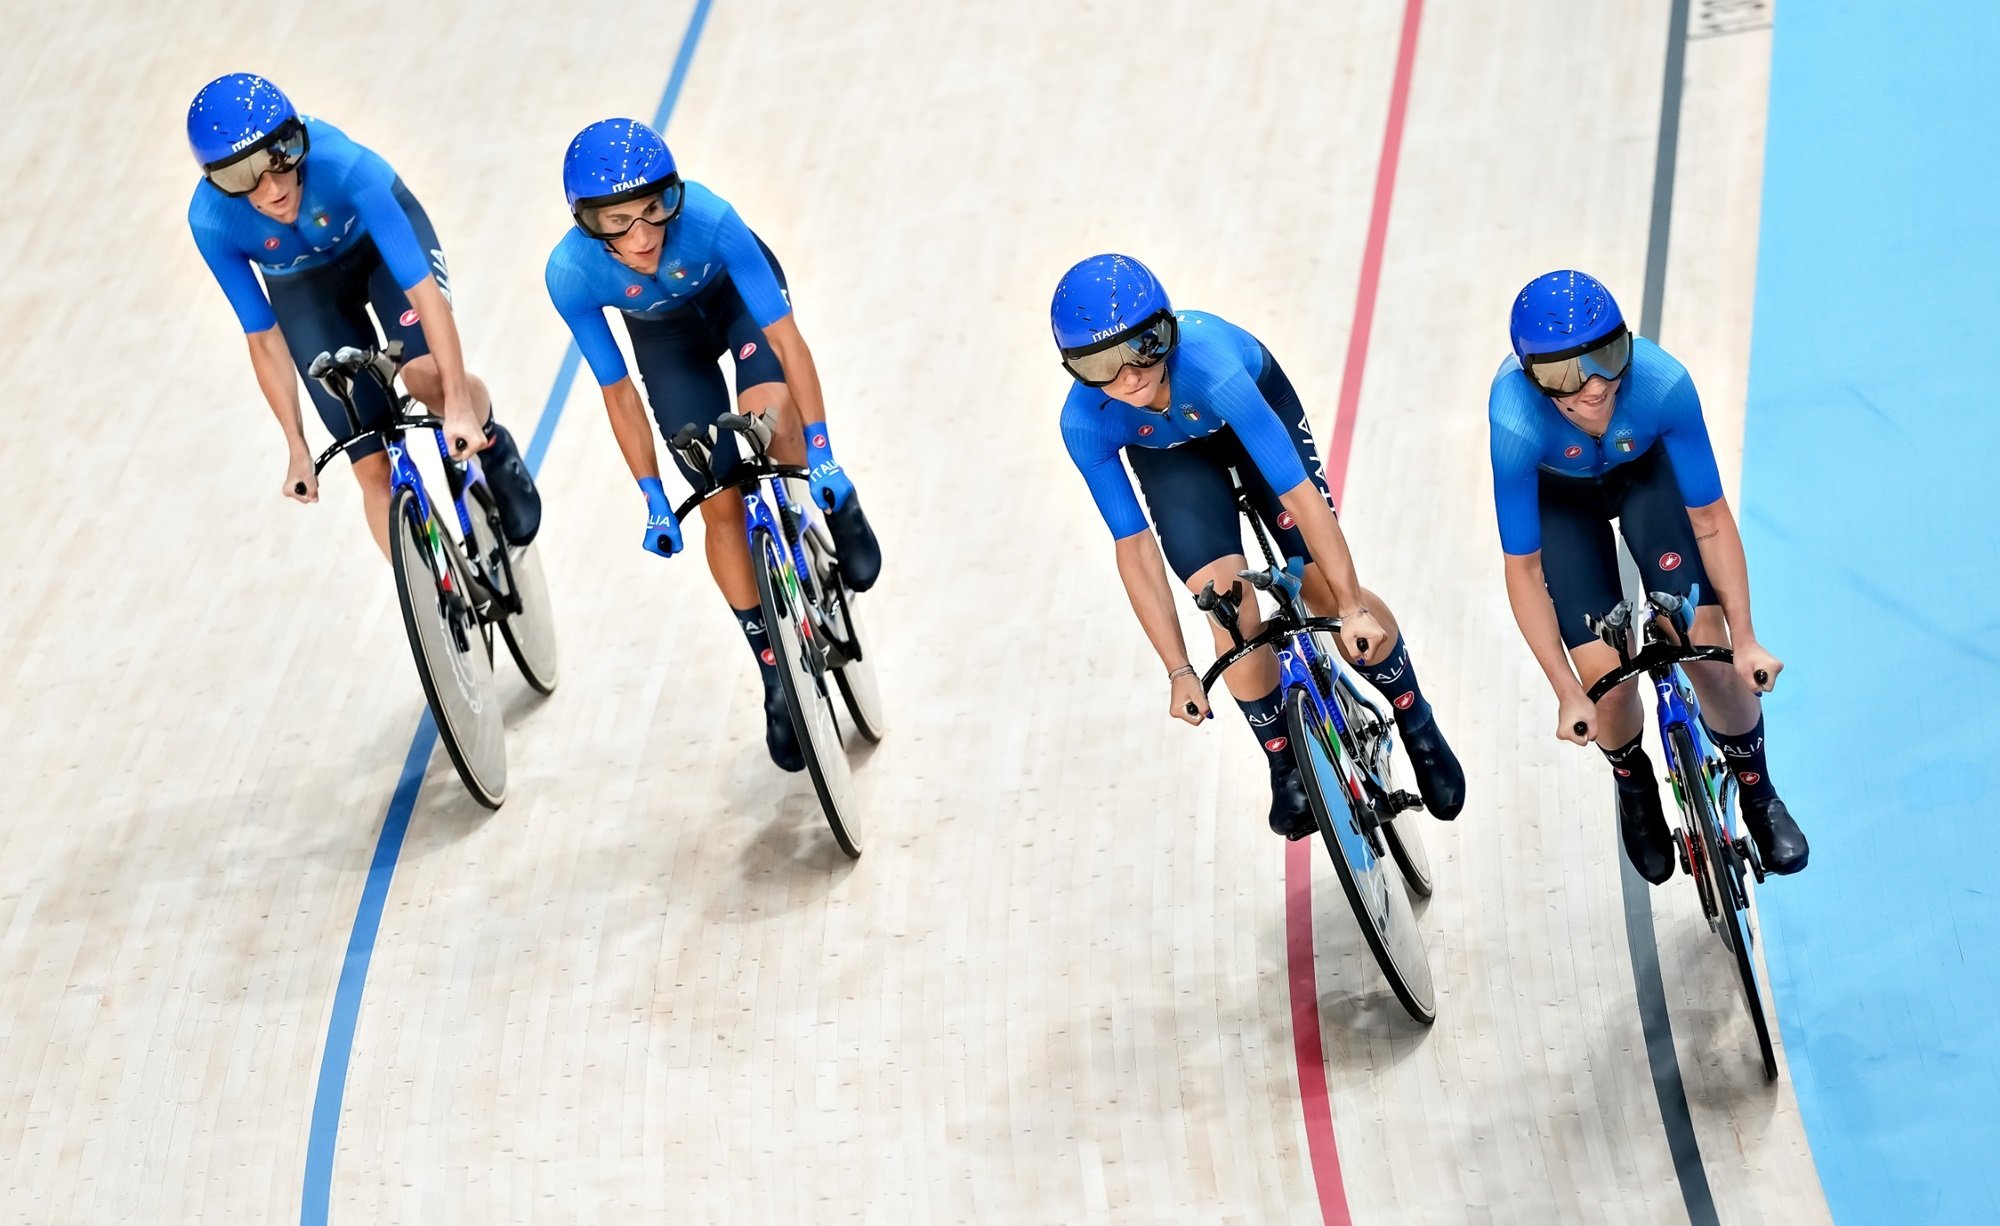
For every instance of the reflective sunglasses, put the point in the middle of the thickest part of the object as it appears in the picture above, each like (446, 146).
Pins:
(1565, 373)
(614, 216)
(279, 152)
(1147, 344)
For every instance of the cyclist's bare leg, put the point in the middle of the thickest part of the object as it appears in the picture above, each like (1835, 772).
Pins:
(1727, 705)
(726, 540)
(1619, 716)
(372, 473)
(725, 537)
(774, 401)
(1256, 676)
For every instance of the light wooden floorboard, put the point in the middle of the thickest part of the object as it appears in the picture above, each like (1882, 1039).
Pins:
(648, 988)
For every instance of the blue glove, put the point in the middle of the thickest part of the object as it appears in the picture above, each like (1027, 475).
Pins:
(830, 487)
(663, 531)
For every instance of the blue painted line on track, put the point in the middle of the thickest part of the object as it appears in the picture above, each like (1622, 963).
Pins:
(1869, 512)
(330, 1093)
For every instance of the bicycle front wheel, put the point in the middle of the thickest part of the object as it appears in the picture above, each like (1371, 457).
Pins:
(452, 649)
(1374, 891)
(1731, 892)
(802, 672)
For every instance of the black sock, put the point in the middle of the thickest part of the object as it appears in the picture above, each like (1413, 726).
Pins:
(1745, 754)
(1267, 724)
(752, 621)
(1396, 680)
(1630, 765)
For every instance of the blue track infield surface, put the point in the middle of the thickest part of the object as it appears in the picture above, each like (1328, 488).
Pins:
(1872, 516)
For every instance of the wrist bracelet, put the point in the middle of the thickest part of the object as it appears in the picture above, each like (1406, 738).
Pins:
(1185, 669)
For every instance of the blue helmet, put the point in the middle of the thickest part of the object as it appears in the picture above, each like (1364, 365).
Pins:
(615, 158)
(1102, 298)
(1562, 312)
(233, 115)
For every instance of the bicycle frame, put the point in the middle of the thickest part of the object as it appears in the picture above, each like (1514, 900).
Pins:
(1676, 707)
(336, 373)
(1301, 663)
(767, 504)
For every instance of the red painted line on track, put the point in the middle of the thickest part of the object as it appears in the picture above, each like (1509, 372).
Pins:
(1307, 1046)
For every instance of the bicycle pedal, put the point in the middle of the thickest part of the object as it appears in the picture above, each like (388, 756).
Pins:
(1681, 849)
(1749, 854)
(1403, 802)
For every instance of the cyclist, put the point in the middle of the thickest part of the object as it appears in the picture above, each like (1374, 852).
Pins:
(693, 282)
(333, 231)
(1185, 397)
(1591, 423)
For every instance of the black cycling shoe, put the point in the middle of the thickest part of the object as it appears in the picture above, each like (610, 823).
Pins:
(1648, 842)
(854, 541)
(779, 736)
(1780, 842)
(1291, 809)
(1440, 779)
(514, 492)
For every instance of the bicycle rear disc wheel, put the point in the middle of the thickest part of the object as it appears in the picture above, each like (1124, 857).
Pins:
(1381, 907)
(802, 673)
(1405, 838)
(531, 633)
(856, 678)
(1732, 897)
(453, 654)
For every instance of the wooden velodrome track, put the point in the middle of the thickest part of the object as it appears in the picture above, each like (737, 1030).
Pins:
(1057, 986)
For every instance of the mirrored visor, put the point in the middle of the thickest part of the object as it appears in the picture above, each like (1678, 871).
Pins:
(1143, 346)
(283, 150)
(1564, 374)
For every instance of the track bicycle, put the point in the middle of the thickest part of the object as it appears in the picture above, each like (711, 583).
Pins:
(1342, 743)
(1721, 861)
(808, 610)
(455, 591)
